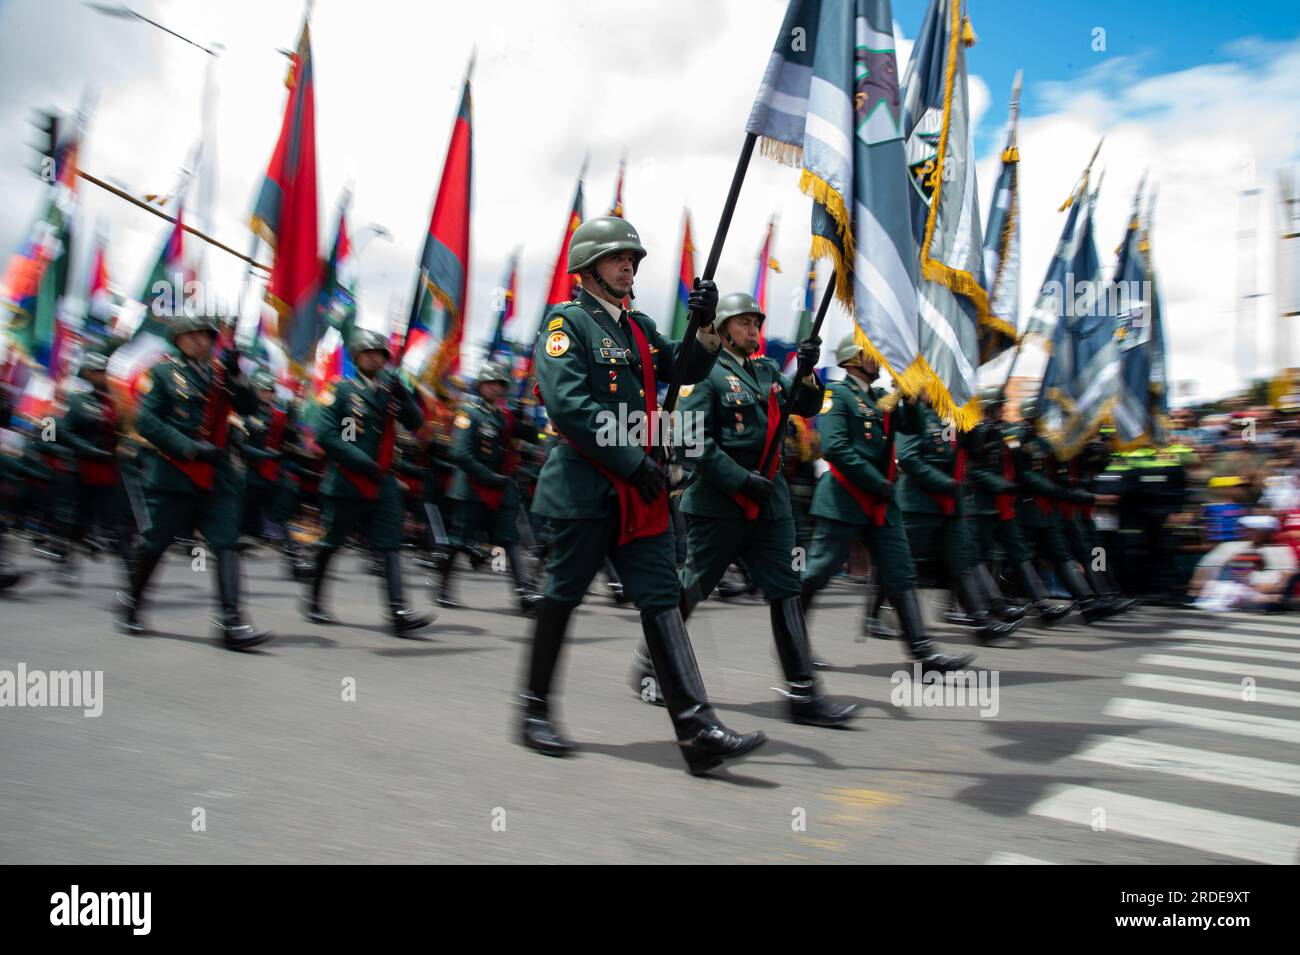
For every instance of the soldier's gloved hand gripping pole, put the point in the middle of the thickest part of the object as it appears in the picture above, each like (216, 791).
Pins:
(696, 319)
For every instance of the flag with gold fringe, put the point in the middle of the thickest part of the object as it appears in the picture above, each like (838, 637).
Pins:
(830, 102)
(1002, 246)
(952, 298)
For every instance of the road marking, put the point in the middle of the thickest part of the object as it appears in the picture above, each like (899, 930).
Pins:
(1223, 768)
(1222, 667)
(1222, 691)
(1226, 637)
(1248, 652)
(1015, 858)
(1205, 830)
(1221, 721)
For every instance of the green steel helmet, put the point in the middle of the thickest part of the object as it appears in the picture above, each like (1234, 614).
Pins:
(603, 236)
(1029, 409)
(367, 339)
(263, 380)
(494, 371)
(848, 351)
(737, 303)
(991, 395)
(93, 362)
(191, 323)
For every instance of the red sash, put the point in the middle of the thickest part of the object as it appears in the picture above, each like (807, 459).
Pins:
(274, 434)
(102, 473)
(948, 502)
(369, 487)
(491, 496)
(750, 507)
(216, 428)
(868, 502)
(636, 517)
(1007, 502)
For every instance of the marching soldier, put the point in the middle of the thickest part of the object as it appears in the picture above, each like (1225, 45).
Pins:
(1080, 531)
(487, 498)
(1036, 506)
(933, 462)
(598, 367)
(736, 508)
(268, 492)
(91, 429)
(190, 480)
(993, 506)
(357, 431)
(855, 500)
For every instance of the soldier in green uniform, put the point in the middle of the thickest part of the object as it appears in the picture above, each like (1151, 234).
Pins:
(1076, 516)
(993, 507)
(357, 431)
(854, 500)
(598, 366)
(268, 490)
(190, 480)
(930, 494)
(736, 508)
(1039, 516)
(91, 428)
(484, 489)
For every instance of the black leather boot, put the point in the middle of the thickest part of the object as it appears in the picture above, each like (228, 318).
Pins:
(1091, 606)
(1001, 606)
(131, 602)
(705, 742)
(807, 704)
(989, 629)
(525, 592)
(312, 607)
(806, 595)
(234, 632)
(1032, 585)
(1102, 584)
(907, 604)
(538, 732)
(401, 618)
(446, 570)
(955, 615)
(872, 626)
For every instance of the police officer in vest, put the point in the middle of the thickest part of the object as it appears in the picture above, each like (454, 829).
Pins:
(487, 498)
(598, 366)
(357, 431)
(854, 500)
(737, 508)
(191, 481)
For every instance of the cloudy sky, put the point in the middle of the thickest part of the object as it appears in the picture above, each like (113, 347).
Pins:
(1202, 97)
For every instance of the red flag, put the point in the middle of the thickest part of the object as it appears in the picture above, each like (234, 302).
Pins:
(765, 262)
(445, 260)
(285, 215)
(563, 285)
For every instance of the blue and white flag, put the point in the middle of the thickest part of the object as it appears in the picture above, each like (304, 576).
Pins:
(1002, 248)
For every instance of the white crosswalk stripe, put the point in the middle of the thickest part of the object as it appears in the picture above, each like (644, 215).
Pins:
(1222, 667)
(1236, 638)
(1015, 858)
(1222, 721)
(1224, 768)
(1239, 622)
(1250, 653)
(1222, 691)
(1206, 830)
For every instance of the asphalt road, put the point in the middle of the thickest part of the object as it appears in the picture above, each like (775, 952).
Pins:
(1124, 742)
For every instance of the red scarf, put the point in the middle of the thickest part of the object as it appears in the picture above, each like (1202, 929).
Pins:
(1007, 502)
(215, 429)
(750, 507)
(103, 473)
(369, 487)
(636, 517)
(274, 434)
(948, 502)
(491, 496)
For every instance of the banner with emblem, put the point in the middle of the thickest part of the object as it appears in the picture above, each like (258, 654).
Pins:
(830, 102)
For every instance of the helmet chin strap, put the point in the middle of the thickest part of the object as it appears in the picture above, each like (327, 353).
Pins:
(732, 345)
(614, 295)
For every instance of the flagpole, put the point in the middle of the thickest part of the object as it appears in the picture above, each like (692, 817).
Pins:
(1079, 185)
(787, 406)
(696, 319)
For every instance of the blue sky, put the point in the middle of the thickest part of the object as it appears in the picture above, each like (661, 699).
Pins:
(1053, 41)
